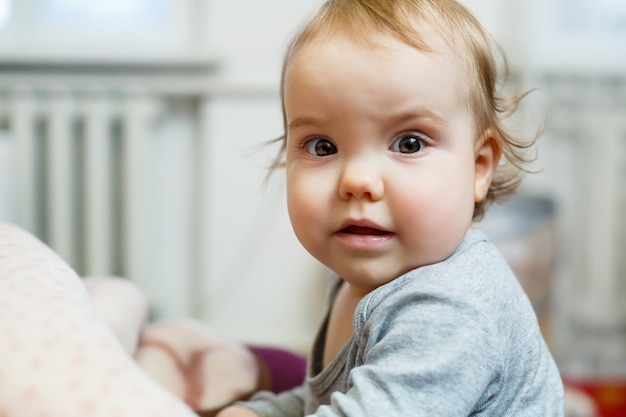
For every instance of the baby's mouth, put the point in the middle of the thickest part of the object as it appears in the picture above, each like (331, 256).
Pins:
(364, 236)
(363, 230)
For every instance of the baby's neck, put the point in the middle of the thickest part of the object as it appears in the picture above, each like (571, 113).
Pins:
(340, 328)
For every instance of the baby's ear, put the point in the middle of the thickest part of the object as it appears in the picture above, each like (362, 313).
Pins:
(487, 157)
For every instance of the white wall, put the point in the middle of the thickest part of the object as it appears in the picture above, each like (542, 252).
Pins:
(250, 36)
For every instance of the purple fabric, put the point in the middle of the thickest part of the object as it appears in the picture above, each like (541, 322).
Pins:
(287, 369)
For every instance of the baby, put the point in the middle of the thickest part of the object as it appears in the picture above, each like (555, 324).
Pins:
(393, 138)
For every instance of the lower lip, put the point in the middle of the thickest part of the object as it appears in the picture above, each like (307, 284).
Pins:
(364, 242)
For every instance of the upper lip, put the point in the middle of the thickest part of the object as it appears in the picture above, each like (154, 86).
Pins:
(362, 226)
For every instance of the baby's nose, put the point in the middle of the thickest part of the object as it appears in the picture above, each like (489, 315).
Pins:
(362, 181)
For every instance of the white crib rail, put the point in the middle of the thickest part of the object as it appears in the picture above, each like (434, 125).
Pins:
(21, 111)
(61, 174)
(69, 202)
(80, 151)
(98, 185)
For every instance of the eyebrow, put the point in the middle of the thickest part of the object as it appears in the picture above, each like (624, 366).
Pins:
(303, 121)
(400, 117)
(406, 116)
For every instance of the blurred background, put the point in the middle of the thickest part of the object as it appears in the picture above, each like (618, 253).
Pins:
(132, 141)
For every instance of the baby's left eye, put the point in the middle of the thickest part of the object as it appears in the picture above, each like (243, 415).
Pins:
(409, 143)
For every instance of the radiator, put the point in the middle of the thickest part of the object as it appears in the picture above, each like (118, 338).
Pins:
(81, 176)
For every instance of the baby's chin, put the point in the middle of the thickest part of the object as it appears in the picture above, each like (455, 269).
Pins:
(368, 279)
(370, 270)
(375, 277)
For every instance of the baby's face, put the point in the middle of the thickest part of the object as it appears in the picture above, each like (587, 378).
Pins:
(382, 164)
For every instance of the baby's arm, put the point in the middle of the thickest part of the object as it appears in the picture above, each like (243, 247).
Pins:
(57, 355)
(237, 411)
(285, 404)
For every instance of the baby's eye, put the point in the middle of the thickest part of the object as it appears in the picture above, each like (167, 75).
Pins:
(409, 143)
(320, 147)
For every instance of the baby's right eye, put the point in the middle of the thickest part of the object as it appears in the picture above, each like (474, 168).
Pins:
(320, 147)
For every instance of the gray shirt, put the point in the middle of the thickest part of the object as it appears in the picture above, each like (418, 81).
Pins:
(456, 338)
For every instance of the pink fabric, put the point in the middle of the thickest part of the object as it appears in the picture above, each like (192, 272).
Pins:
(58, 357)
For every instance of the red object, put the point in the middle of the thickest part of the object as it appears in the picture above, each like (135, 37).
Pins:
(287, 369)
(609, 395)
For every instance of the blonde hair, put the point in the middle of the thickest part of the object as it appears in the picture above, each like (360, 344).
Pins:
(465, 36)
